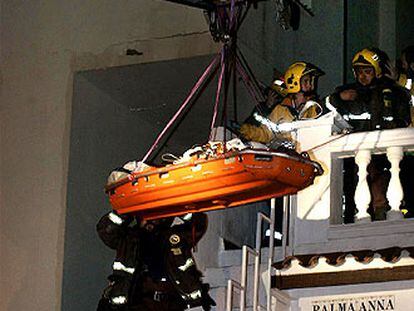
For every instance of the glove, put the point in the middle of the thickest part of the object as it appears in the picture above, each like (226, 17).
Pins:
(117, 291)
(206, 300)
(120, 219)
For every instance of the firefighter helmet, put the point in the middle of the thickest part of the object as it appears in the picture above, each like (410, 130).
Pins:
(296, 71)
(279, 87)
(367, 58)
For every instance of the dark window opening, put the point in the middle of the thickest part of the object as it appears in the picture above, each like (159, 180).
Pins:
(265, 234)
(378, 180)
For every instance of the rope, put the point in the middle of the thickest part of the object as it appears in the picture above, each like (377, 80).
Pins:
(200, 81)
(220, 82)
(249, 71)
(246, 81)
(232, 20)
(327, 142)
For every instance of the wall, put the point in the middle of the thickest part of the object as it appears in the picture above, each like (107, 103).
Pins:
(362, 30)
(319, 40)
(321, 298)
(116, 115)
(404, 26)
(43, 43)
(387, 37)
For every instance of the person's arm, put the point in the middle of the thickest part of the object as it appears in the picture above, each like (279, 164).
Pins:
(259, 133)
(343, 94)
(112, 228)
(252, 129)
(200, 224)
(403, 115)
(281, 114)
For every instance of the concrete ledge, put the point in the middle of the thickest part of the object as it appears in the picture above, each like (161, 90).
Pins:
(377, 228)
(156, 50)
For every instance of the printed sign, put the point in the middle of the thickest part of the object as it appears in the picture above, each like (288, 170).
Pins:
(368, 303)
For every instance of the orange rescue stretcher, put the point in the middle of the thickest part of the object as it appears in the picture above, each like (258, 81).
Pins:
(202, 184)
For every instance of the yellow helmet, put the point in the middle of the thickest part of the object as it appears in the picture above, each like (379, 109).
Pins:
(279, 87)
(296, 71)
(367, 58)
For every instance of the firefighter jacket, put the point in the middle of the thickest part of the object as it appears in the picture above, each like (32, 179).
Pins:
(382, 105)
(404, 81)
(281, 113)
(162, 255)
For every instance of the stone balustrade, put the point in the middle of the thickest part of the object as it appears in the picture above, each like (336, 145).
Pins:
(394, 192)
(319, 139)
(362, 146)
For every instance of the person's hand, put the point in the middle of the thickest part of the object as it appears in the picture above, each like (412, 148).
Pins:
(348, 95)
(206, 300)
(393, 72)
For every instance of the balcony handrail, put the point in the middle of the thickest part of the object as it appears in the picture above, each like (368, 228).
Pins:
(373, 140)
(361, 145)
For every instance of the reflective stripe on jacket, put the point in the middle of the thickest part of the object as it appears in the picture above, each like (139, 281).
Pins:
(382, 105)
(282, 113)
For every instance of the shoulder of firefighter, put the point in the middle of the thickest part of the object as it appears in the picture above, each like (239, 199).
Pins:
(267, 128)
(112, 228)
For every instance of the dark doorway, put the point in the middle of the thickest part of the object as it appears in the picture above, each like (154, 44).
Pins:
(116, 115)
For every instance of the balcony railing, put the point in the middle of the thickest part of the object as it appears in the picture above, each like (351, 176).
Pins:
(320, 208)
(393, 143)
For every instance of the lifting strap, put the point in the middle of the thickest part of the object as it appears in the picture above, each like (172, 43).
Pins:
(219, 84)
(230, 21)
(210, 68)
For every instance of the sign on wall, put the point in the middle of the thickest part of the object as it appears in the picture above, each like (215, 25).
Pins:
(368, 303)
(401, 300)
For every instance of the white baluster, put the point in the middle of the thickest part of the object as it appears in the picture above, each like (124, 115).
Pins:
(362, 194)
(395, 192)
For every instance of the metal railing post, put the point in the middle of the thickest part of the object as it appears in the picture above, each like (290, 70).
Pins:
(243, 279)
(245, 262)
(258, 246)
(242, 286)
(271, 253)
(285, 225)
(230, 285)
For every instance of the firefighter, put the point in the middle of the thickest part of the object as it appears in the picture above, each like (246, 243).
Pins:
(372, 103)
(154, 268)
(406, 77)
(299, 103)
